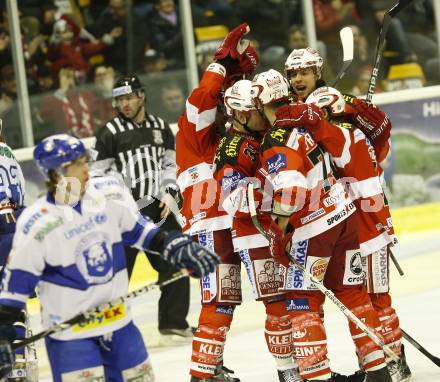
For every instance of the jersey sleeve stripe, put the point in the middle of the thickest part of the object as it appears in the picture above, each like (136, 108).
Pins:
(16, 300)
(112, 128)
(201, 120)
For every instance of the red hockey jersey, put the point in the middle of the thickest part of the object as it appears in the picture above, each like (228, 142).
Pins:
(305, 187)
(196, 143)
(356, 163)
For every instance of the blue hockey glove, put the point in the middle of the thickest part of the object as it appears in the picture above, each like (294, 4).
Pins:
(181, 251)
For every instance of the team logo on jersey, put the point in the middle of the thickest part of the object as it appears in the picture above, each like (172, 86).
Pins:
(276, 162)
(94, 259)
(157, 137)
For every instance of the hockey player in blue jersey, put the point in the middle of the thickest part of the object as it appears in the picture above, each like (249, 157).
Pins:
(70, 243)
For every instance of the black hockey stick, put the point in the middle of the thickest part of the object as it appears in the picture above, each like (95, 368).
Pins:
(396, 264)
(346, 35)
(328, 293)
(91, 313)
(380, 47)
(420, 348)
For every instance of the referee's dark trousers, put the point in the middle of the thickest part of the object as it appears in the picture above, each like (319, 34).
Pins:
(174, 299)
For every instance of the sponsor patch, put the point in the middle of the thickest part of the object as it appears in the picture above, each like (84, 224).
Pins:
(48, 228)
(297, 304)
(318, 268)
(269, 277)
(230, 181)
(230, 283)
(312, 216)
(294, 277)
(104, 318)
(354, 273)
(228, 310)
(276, 162)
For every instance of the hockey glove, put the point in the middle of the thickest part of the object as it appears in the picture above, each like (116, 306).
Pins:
(373, 122)
(237, 55)
(298, 114)
(181, 251)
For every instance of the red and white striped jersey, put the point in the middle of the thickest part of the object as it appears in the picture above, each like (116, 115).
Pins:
(356, 163)
(196, 143)
(303, 181)
(236, 162)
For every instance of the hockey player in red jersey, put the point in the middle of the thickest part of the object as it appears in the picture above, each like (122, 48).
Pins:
(322, 235)
(236, 161)
(357, 159)
(196, 143)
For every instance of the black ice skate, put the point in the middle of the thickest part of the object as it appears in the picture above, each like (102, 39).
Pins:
(336, 377)
(399, 370)
(290, 375)
(381, 375)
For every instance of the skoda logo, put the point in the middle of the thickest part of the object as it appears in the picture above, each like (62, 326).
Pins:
(100, 219)
(356, 263)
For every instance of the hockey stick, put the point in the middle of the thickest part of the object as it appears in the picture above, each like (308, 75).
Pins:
(346, 35)
(347, 312)
(91, 313)
(380, 47)
(396, 264)
(420, 348)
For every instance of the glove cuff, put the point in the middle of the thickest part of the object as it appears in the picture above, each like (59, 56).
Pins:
(217, 67)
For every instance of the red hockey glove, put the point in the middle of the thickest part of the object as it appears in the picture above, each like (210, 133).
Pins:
(236, 54)
(298, 114)
(373, 122)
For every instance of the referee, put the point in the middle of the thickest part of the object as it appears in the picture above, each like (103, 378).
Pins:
(140, 147)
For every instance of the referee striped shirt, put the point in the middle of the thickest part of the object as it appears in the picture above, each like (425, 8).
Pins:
(143, 154)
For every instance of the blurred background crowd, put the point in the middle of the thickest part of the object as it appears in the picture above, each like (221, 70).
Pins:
(74, 50)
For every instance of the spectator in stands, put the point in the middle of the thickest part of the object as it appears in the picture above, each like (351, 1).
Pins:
(45, 80)
(330, 17)
(166, 37)
(68, 109)
(363, 81)
(67, 49)
(155, 63)
(205, 52)
(213, 12)
(104, 80)
(112, 19)
(173, 102)
(8, 88)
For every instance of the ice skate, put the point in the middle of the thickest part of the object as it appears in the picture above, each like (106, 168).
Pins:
(289, 375)
(399, 370)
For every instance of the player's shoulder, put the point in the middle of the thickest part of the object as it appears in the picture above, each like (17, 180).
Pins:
(37, 215)
(106, 184)
(6, 151)
(228, 149)
(111, 127)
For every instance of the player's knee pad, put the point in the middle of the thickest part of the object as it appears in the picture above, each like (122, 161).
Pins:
(278, 334)
(142, 372)
(377, 271)
(209, 339)
(310, 345)
(370, 355)
(84, 375)
(389, 321)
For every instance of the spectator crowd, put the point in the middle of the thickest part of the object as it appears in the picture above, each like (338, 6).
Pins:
(74, 49)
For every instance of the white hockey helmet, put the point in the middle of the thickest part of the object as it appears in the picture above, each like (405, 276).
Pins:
(238, 97)
(270, 86)
(328, 98)
(304, 58)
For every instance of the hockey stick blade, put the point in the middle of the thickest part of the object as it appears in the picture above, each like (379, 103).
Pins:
(347, 312)
(91, 313)
(420, 348)
(346, 35)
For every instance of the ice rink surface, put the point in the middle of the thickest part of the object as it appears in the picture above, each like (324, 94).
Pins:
(416, 299)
